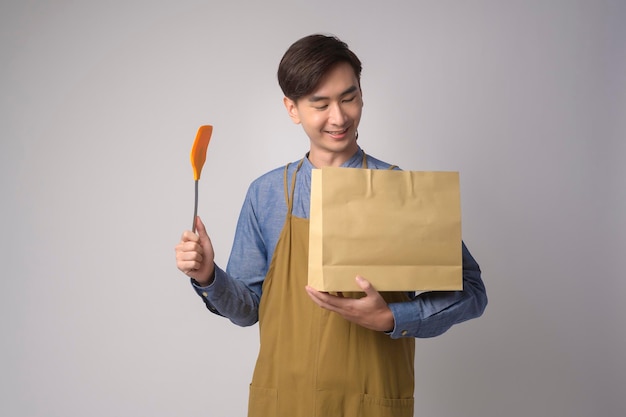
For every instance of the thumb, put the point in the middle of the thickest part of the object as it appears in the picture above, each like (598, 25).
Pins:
(365, 285)
(204, 239)
(200, 229)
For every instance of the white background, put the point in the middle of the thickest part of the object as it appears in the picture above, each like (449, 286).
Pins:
(99, 105)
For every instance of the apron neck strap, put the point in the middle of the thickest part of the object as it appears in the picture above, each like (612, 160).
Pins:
(289, 194)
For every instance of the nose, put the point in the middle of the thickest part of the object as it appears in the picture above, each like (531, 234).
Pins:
(337, 115)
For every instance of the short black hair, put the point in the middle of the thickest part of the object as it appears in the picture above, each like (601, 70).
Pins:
(307, 61)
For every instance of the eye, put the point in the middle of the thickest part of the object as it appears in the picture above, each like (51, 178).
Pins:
(347, 100)
(323, 107)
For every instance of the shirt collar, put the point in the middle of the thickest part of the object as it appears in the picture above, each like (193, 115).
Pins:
(356, 161)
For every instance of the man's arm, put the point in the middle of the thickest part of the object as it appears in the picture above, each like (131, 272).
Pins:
(433, 313)
(230, 297)
(427, 315)
(233, 294)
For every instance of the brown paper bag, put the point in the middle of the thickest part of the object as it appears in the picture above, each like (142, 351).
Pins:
(400, 230)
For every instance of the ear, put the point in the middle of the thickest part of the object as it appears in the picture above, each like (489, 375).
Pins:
(292, 110)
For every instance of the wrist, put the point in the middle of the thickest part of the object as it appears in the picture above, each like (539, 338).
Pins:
(390, 323)
(204, 282)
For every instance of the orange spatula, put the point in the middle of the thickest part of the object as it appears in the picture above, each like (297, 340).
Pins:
(198, 156)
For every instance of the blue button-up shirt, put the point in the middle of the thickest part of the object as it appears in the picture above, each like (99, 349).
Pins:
(235, 292)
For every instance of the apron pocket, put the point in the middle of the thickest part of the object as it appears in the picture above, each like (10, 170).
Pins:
(263, 402)
(385, 407)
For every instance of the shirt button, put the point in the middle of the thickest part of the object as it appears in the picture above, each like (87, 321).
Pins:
(404, 332)
(204, 294)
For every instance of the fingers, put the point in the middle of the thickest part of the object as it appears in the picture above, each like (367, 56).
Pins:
(189, 236)
(336, 300)
(188, 246)
(189, 256)
(336, 303)
(194, 254)
(192, 243)
(316, 296)
(189, 252)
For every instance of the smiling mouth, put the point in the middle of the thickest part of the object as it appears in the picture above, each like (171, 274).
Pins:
(337, 132)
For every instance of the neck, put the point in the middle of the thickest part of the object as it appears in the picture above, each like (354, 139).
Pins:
(330, 159)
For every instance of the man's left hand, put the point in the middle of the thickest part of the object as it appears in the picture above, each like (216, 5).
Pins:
(370, 311)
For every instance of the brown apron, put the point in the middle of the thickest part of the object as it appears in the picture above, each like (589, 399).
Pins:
(314, 363)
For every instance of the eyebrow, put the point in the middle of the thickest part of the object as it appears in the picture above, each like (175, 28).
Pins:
(314, 99)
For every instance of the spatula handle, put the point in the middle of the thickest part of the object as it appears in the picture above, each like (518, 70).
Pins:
(195, 210)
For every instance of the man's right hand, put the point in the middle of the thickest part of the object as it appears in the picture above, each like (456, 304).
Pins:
(195, 256)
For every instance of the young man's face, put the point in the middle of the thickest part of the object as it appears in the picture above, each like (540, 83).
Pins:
(330, 116)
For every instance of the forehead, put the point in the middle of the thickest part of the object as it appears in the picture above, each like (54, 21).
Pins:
(336, 81)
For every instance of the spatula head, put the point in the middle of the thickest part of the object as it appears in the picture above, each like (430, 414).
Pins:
(198, 150)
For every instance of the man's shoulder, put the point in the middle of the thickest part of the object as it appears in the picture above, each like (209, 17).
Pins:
(272, 179)
(273, 176)
(270, 176)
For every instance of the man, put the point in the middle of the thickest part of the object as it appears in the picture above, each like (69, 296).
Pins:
(354, 356)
